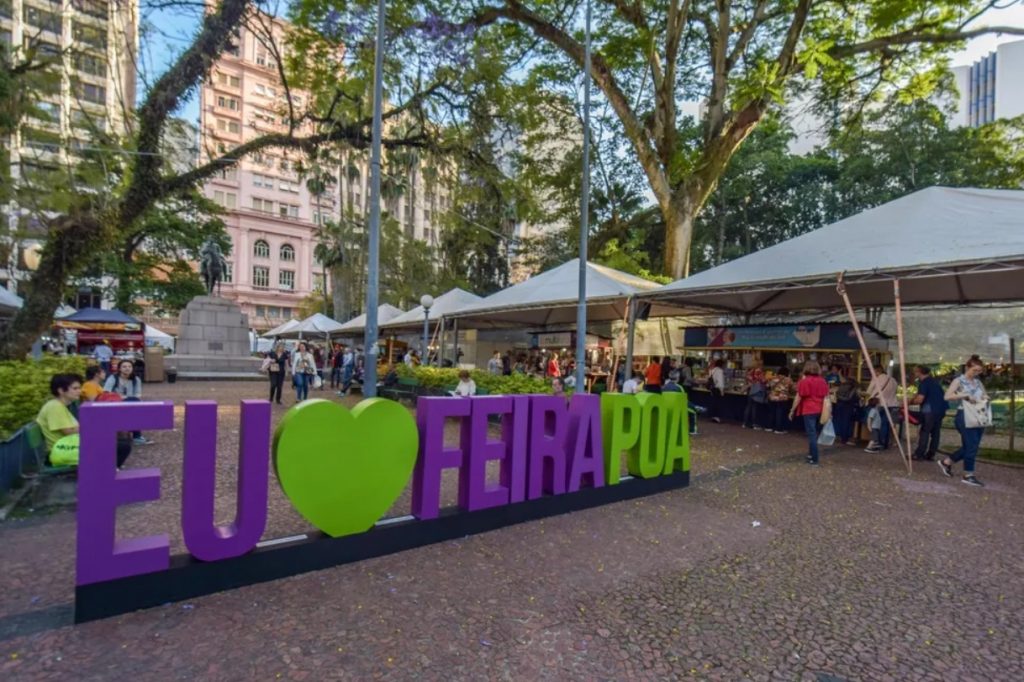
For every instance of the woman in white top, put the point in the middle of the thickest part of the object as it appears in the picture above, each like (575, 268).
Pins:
(966, 388)
(466, 387)
(717, 390)
(303, 371)
(129, 387)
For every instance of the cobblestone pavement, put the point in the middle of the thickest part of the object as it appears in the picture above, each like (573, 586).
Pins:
(764, 568)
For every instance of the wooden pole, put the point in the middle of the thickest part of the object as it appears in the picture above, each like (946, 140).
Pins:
(841, 288)
(903, 371)
(1013, 392)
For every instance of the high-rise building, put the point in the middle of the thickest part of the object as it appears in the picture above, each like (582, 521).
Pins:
(990, 88)
(93, 44)
(272, 218)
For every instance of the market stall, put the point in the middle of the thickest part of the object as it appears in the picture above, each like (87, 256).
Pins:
(91, 327)
(773, 346)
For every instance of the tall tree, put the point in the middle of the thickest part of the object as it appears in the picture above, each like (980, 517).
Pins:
(740, 58)
(92, 221)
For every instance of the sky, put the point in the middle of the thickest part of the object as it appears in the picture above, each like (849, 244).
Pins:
(176, 30)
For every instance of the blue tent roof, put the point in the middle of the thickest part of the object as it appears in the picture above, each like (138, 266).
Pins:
(86, 315)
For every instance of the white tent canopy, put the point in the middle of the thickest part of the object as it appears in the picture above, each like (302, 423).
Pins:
(281, 329)
(158, 337)
(444, 305)
(64, 310)
(9, 303)
(315, 326)
(947, 246)
(551, 298)
(357, 324)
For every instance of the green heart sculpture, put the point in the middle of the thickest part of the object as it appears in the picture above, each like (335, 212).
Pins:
(343, 470)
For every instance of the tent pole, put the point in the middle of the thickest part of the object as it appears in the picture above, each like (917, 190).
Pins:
(455, 342)
(841, 288)
(581, 305)
(630, 329)
(1013, 392)
(903, 371)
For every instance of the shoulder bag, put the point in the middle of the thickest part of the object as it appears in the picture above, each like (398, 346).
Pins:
(978, 415)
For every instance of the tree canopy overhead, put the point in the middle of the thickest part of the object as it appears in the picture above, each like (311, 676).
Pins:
(737, 58)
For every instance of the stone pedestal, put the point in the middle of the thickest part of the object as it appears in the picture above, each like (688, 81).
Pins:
(213, 342)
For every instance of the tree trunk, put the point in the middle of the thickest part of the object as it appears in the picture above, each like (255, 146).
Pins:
(679, 219)
(70, 237)
(339, 294)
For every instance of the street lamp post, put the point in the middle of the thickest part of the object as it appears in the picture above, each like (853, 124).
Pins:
(426, 301)
(373, 241)
(581, 306)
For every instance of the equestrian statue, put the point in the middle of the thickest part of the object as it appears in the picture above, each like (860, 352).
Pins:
(212, 266)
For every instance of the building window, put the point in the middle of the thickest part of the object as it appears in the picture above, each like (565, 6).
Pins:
(91, 64)
(286, 312)
(259, 180)
(286, 279)
(84, 119)
(261, 311)
(318, 282)
(261, 249)
(47, 111)
(263, 206)
(229, 273)
(261, 279)
(292, 187)
(287, 253)
(229, 174)
(225, 102)
(288, 210)
(94, 8)
(228, 80)
(228, 200)
(96, 94)
(265, 90)
(229, 126)
(90, 35)
(40, 18)
(261, 57)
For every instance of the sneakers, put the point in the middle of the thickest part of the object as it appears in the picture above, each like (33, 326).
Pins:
(781, 433)
(872, 448)
(716, 420)
(969, 479)
(142, 440)
(758, 428)
(947, 470)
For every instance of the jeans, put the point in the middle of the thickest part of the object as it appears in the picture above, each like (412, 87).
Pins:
(931, 432)
(717, 404)
(970, 440)
(842, 420)
(335, 377)
(780, 412)
(812, 423)
(302, 381)
(753, 413)
(652, 388)
(276, 381)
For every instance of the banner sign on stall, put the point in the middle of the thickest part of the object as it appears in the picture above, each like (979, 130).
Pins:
(343, 470)
(778, 336)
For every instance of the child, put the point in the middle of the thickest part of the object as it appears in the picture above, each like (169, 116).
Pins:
(633, 385)
(875, 426)
(93, 386)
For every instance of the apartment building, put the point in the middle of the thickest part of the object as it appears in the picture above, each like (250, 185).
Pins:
(94, 44)
(271, 216)
(990, 88)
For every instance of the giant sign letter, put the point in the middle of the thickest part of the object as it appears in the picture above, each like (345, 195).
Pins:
(474, 492)
(584, 445)
(549, 421)
(620, 423)
(205, 540)
(102, 489)
(434, 456)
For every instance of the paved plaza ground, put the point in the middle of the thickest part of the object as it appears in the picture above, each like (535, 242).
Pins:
(764, 568)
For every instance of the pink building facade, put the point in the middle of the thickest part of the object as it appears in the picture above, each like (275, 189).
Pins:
(270, 215)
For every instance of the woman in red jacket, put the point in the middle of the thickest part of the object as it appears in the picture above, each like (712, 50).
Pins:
(811, 394)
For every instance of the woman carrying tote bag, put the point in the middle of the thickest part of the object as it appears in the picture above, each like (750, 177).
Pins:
(973, 414)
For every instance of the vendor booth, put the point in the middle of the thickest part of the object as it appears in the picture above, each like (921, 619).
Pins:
(91, 327)
(772, 347)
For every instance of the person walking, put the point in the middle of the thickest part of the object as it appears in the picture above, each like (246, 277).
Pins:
(780, 391)
(348, 369)
(494, 364)
(716, 383)
(129, 387)
(335, 364)
(104, 356)
(811, 394)
(757, 397)
(932, 400)
(652, 376)
(968, 390)
(276, 362)
(303, 371)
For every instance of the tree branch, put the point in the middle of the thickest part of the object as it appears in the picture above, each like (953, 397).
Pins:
(911, 38)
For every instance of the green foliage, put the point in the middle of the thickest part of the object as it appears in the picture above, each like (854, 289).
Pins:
(446, 378)
(27, 386)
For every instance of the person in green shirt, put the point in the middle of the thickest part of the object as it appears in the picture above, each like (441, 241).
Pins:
(55, 419)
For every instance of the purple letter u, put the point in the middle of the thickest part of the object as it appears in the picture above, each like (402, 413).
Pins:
(204, 540)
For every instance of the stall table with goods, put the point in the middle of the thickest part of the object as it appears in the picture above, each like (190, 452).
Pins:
(831, 344)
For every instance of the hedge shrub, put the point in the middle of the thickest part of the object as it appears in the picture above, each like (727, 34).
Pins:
(441, 378)
(26, 386)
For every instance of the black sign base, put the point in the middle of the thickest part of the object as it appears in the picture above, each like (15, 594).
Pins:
(188, 578)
